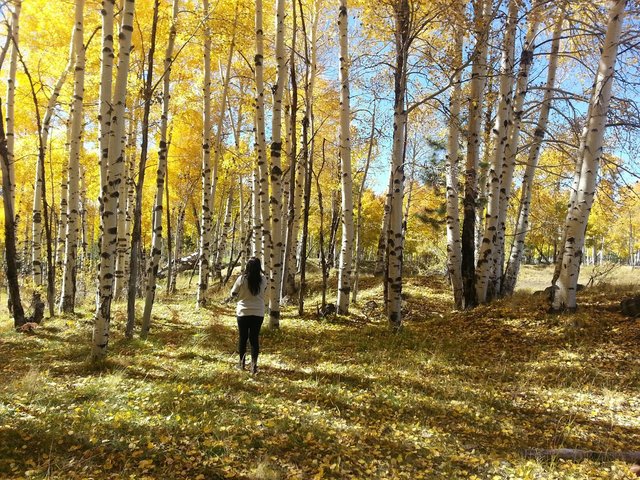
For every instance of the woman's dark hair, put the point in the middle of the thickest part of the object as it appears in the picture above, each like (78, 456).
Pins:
(253, 272)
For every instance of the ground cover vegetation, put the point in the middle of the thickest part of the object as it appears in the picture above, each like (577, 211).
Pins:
(457, 394)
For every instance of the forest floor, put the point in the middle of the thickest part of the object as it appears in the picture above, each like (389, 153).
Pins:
(454, 395)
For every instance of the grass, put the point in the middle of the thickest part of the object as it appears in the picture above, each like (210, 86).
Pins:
(453, 395)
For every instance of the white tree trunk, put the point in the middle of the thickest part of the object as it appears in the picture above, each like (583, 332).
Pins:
(11, 94)
(476, 100)
(224, 235)
(114, 171)
(207, 201)
(394, 235)
(346, 252)
(578, 215)
(513, 138)
(263, 194)
(67, 301)
(517, 248)
(156, 241)
(276, 171)
(454, 246)
(488, 255)
(256, 226)
(361, 190)
(36, 253)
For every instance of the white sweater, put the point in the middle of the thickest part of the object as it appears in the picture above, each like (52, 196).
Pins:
(248, 303)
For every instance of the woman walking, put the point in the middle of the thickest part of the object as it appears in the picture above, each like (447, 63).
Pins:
(249, 290)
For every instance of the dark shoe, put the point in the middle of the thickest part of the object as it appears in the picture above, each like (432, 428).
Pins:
(254, 368)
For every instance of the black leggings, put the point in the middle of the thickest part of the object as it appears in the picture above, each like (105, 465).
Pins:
(249, 329)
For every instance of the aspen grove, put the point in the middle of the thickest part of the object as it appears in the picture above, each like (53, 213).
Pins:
(463, 138)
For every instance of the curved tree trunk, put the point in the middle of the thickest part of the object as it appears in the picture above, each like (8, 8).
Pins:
(36, 253)
(578, 215)
(156, 242)
(67, 301)
(346, 252)
(488, 254)
(517, 248)
(513, 138)
(114, 171)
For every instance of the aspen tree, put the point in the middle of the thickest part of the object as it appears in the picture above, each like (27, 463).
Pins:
(114, 170)
(11, 94)
(296, 175)
(38, 278)
(11, 256)
(358, 227)
(218, 146)
(224, 235)
(487, 256)
(513, 134)
(402, 14)
(136, 272)
(156, 242)
(307, 159)
(256, 226)
(263, 179)
(454, 249)
(346, 252)
(276, 171)
(67, 301)
(207, 201)
(476, 100)
(578, 214)
(517, 248)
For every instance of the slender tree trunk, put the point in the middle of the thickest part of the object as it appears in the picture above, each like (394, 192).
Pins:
(11, 256)
(38, 199)
(265, 221)
(361, 190)
(488, 255)
(169, 242)
(67, 301)
(256, 237)
(381, 252)
(323, 258)
(308, 161)
(156, 242)
(513, 134)
(346, 252)
(104, 120)
(454, 248)
(224, 235)
(578, 215)
(296, 175)
(11, 93)
(136, 271)
(207, 201)
(476, 99)
(218, 147)
(177, 254)
(276, 171)
(517, 248)
(402, 15)
(114, 171)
